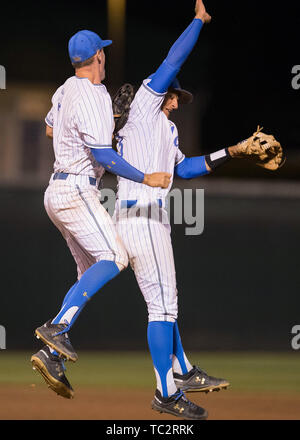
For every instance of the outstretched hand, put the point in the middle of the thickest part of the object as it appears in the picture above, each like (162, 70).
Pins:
(201, 13)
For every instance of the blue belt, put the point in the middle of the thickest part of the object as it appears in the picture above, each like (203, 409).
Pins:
(64, 176)
(130, 203)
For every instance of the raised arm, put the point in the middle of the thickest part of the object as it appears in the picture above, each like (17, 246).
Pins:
(180, 50)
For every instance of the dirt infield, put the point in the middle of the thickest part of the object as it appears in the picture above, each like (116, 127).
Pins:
(36, 402)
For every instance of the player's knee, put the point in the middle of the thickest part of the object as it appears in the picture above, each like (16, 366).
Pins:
(167, 313)
(159, 310)
(156, 317)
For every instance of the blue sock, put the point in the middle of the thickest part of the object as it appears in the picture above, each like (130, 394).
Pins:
(160, 341)
(69, 293)
(178, 351)
(91, 281)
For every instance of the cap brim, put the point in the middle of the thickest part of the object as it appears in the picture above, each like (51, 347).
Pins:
(185, 97)
(106, 43)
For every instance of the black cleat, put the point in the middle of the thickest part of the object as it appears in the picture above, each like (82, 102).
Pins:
(198, 380)
(178, 405)
(52, 369)
(49, 334)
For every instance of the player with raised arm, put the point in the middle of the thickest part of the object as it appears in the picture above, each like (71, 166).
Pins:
(81, 124)
(150, 140)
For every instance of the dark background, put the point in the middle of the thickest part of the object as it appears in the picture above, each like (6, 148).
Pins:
(238, 281)
(243, 59)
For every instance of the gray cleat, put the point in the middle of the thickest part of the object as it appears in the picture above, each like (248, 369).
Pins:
(178, 405)
(198, 380)
(56, 337)
(52, 368)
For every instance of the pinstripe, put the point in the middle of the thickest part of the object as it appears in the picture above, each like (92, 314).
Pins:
(95, 220)
(152, 91)
(148, 144)
(141, 246)
(157, 268)
(79, 109)
(146, 259)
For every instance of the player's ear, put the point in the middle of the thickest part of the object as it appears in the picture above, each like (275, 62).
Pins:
(98, 55)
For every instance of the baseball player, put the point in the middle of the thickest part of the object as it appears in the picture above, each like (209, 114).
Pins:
(81, 124)
(149, 140)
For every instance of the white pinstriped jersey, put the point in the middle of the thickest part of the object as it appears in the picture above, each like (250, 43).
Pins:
(81, 117)
(149, 142)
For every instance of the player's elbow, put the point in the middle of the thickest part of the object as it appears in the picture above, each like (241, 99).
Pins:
(192, 167)
(183, 171)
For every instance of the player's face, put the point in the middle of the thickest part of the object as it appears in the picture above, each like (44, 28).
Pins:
(170, 103)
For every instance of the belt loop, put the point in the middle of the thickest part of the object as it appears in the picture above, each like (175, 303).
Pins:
(128, 203)
(61, 176)
(93, 181)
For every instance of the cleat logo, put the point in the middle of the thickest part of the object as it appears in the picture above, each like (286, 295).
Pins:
(180, 409)
(198, 379)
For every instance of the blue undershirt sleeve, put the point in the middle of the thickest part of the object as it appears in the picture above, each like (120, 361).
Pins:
(191, 167)
(112, 162)
(177, 55)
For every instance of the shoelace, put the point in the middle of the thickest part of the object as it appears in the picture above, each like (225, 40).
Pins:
(60, 363)
(191, 404)
(178, 394)
(181, 395)
(199, 370)
(65, 328)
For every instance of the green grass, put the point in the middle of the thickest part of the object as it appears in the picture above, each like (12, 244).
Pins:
(246, 371)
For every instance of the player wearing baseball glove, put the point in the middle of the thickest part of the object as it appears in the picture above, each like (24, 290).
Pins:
(262, 148)
(146, 136)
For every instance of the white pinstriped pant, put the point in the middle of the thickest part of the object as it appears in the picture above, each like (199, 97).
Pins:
(75, 209)
(148, 244)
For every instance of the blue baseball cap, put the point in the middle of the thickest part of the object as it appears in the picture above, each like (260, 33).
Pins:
(84, 44)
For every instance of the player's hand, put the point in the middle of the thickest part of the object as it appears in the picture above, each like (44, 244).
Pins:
(201, 13)
(161, 180)
(233, 150)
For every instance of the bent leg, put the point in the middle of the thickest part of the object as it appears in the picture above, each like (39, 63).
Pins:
(92, 239)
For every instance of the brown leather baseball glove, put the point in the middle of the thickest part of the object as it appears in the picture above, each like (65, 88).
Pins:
(263, 148)
(121, 105)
